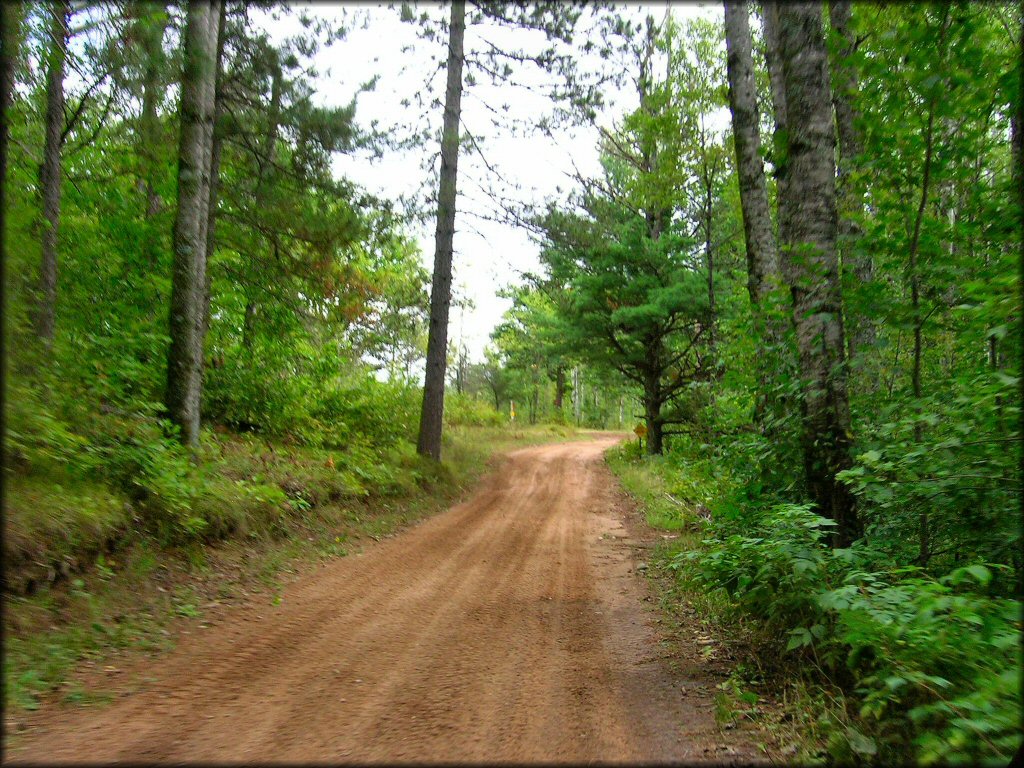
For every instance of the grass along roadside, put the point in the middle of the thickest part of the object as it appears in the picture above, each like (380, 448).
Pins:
(839, 654)
(674, 499)
(134, 594)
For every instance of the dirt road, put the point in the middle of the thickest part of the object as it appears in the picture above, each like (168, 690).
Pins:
(509, 628)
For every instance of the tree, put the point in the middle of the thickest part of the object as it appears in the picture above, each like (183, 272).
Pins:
(762, 259)
(9, 23)
(495, 376)
(152, 23)
(432, 413)
(698, 79)
(50, 177)
(637, 301)
(807, 212)
(573, 98)
(187, 321)
(635, 304)
(530, 339)
(849, 198)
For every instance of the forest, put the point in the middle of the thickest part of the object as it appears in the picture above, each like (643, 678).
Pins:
(794, 285)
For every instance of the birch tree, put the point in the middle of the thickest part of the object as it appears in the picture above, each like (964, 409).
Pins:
(856, 263)
(762, 256)
(185, 356)
(50, 173)
(810, 264)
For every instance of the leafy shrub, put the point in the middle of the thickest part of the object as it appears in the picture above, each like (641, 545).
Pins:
(308, 404)
(463, 411)
(934, 664)
(938, 666)
(954, 461)
(773, 574)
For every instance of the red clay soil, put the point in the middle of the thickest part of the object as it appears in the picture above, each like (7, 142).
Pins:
(510, 628)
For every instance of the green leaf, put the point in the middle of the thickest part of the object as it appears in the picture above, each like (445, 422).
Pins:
(861, 744)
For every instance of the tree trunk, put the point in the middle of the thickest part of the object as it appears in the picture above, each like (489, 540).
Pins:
(559, 389)
(10, 21)
(773, 59)
(186, 322)
(577, 389)
(149, 130)
(215, 151)
(709, 255)
(432, 413)
(762, 256)
(50, 175)
(924, 525)
(849, 199)
(810, 263)
(652, 415)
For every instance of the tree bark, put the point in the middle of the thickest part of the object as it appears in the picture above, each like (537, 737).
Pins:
(849, 199)
(652, 415)
(149, 129)
(559, 389)
(10, 21)
(432, 413)
(762, 256)
(810, 263)
(773, 59)
(186, 321)
(50, 175)
(577, 390)
(215, 151)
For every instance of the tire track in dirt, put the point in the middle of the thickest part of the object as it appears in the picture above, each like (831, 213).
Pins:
(508, 629)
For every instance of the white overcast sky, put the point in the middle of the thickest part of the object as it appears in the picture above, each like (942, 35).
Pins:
(488, 255)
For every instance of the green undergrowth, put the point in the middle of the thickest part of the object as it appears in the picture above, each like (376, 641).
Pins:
(102, 562)
(864, 660)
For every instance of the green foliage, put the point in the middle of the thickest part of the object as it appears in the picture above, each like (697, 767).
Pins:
(937, 662)
(464, 410)
(933, 664)
(773, 571)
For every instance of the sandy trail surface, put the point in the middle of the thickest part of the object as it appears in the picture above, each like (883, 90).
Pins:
(509, 628)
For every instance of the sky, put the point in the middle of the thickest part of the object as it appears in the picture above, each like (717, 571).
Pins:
(489, 255)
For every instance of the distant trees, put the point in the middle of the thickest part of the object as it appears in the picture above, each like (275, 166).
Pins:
(572, 98)
(531, 340)
(245, 289)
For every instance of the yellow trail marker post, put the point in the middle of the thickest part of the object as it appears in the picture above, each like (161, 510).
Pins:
(641, 432)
